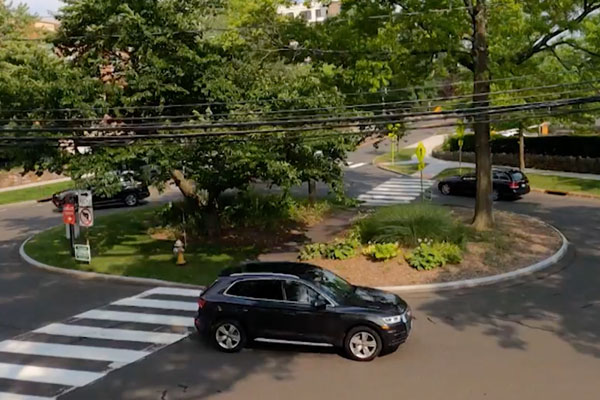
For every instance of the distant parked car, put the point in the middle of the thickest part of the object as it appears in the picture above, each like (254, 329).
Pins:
(300, 304)
(508, 184)
(132, 191)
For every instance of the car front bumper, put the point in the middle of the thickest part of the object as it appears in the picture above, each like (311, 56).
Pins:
(397, 334)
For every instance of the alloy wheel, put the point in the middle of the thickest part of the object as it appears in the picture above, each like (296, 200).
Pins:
(363, 345)
(228, 336)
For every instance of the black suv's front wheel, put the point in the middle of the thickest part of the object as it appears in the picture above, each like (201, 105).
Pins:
(228, 336)
(362, 343)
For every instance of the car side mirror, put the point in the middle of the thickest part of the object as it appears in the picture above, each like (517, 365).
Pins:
(319, 304)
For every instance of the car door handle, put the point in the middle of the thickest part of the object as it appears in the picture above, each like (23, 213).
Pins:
(245, 310)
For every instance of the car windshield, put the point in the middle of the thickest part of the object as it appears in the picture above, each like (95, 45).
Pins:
(333, 285)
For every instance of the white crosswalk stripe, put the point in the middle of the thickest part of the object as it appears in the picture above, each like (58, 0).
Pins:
(395, 191)
(24, 359)
(353, 165)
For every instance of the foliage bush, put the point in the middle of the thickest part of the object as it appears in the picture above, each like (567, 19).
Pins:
(381, 251)
(405, 224)
(338, 250)
(256, 210)
(576, 146)
(426, 257)
(452, 253)
(312, 251)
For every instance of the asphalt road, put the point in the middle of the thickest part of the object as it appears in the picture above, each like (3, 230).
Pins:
(538, 338)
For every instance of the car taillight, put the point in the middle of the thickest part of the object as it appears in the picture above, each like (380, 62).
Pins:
(201, 303)
(513, 185)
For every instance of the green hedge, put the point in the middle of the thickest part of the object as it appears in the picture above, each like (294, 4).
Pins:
(576, 146)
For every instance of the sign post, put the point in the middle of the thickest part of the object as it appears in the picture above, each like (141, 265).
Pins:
(69, 220)
(420, 153)
(86, 220)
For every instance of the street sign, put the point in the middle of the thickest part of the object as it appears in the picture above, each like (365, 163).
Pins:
(84, 198)
(420, 152)
(83, 253)
(69, 214)
(421, 166)
(86, 216)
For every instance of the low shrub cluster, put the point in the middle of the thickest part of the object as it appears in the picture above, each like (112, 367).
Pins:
(430, 255)
(405, 224)
(341, 249)
(381, 251)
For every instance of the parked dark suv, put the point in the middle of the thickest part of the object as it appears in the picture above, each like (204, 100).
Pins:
(508, 184)
(301, 304)
(132, 191)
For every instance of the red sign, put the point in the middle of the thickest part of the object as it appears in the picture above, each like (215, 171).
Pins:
(69, 214)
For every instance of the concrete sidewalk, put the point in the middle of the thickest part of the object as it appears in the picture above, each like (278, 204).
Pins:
(34, 184)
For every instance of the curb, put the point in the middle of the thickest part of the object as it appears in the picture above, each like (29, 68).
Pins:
(463, 284)
(488, 280)
(95, 275)
(570, 194)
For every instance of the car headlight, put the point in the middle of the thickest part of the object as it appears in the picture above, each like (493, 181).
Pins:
(392, 320)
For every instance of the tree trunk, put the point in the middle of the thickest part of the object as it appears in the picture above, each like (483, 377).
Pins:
(186, 187)
(212, 221)
(484, 218)
(521, 149)
(312, 191)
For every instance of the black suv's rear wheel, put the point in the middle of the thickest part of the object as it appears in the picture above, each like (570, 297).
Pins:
(362, 343)
(228, 336)
(131, 200)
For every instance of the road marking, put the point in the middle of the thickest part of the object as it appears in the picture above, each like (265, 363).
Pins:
(358, 165)
(57, 376)
(15, 396)
(72, 351)
(110, 334)
(162, 304)
(137, 317)
(172, 291)
(395, 191)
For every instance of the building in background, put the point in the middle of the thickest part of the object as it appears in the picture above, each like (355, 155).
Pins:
(46, 24)
(316, 12)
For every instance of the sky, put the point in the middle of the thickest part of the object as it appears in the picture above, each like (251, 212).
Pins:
(41, 7)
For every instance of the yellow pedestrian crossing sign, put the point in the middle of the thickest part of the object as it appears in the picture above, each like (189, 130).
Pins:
(420, 153)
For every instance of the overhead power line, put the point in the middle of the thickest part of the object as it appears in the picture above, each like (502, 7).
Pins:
(335, 123)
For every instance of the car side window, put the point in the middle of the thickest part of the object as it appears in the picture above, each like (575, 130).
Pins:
(263, 289)
(300, 293)
(501, 176)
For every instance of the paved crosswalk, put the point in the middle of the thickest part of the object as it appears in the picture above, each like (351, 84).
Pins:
(354, 165)
(57, 358)
(395, 191)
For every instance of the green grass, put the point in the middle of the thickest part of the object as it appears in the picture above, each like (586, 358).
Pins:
(454, 172)
(564, 184)
(401, 155)
(121, 246)
(33, 193)
(407, 169)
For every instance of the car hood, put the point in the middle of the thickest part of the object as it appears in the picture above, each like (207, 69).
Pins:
(375, 299)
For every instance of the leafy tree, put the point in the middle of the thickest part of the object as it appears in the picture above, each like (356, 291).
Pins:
(482, 40)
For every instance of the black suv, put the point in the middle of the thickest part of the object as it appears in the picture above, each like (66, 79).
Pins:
(132, 191)
(301, 304)
(507, 184)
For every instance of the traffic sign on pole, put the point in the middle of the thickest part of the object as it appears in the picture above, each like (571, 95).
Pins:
(86, 217)
(420, 152)
(68, 214)
(84, 198)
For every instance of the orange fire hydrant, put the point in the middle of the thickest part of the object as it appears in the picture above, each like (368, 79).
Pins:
(178, 250)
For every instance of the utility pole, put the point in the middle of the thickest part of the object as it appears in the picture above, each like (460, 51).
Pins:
(521, 148)
(484, 218)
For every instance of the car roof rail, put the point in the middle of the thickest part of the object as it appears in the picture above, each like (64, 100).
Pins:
(278, 274)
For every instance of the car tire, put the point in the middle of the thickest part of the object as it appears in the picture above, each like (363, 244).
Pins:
(445, 189)
(495, 195)
(362, 344)
(131, 200)
(228, 336)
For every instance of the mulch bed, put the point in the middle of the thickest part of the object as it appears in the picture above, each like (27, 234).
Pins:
(518, 241)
